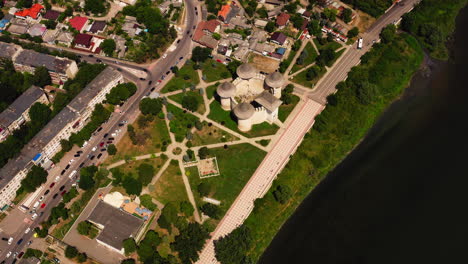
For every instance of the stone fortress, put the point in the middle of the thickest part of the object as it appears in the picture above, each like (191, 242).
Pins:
(253, 97)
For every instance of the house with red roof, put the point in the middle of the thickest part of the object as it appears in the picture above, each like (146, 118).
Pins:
(282, 20)
(203, 33)
(83, 41)
(78, 22)
(224, 12)
(33, 13)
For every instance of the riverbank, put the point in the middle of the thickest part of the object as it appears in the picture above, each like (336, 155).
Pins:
(381, 77)
(399, 196)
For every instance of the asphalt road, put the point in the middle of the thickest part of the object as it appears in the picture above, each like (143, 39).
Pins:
(130, 111)
(352, 57)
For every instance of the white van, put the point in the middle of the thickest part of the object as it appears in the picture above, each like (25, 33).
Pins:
(10, 240)
(73, 173)
(36, 204)
(27, 230)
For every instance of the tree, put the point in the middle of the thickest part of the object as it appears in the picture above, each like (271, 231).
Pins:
(108, 46)
(190, 102)
(71, 252)
(282, 193)
(366, 92)
(312, 73)
(353, 32)
(148, 245)
(286, 98)
(330, 14)
(95, 6)
(203, 152)
(204, 189)
(35, 178)
(314, 28)
(111, 149)
(59, 211)
(82, 257)
(347, 15)
(129, 245)
(175, 70)
(270, 26)
(145, 173)
(211, 210)
(42, 77)
(326, 57)
(128, 261)
(40, 114)
(190, 241)
(120, 93)
(186, 208)
(149, 106)
(168, 215)
(83, 228)
(388, 33)
(234, 246)
(200, 54)
(131, 185)
(87, 177)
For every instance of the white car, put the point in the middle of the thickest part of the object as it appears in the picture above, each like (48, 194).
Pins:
(71, 161)
(164, 56)
(113, 134)
(27, 230)
(10, 240)
(42, 198)
(8, 254)
(94, 149)
(34, 216)
(57, 179)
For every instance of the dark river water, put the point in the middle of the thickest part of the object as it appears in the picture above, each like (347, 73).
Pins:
(402, 195)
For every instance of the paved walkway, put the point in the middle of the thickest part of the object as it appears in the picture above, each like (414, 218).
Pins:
(261, 180)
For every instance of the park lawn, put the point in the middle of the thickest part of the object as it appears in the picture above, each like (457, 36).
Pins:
(178, 99)
(170, 186)
(211, 90)
(180, 122)
(131, 166)
(224, 118)
(285, 110)
(211, 135)
(312, 54)
(301, 78)
(334, 45)
(213, 71)
(186, 77)
(236, 165)
(158, 137)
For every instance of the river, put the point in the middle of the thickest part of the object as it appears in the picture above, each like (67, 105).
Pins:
(402, 195)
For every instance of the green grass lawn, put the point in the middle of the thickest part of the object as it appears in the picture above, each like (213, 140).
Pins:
(301, 78)
(211, 90)
(178, 99)
(334, 45)
(224, 117)
(236, 164)
(158, 136)
(181, 122)
(170, 186)
(213, 71)
(211, 135)
(312, 54)
(285, 110)
(186, 77)
(131, 166)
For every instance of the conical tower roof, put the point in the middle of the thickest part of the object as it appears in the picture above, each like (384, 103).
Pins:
(226, 90)
(244, 111)
(275, 80)
(246, 71)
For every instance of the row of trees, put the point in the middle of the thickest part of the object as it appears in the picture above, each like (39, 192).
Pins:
(73, 253)
(120, 93)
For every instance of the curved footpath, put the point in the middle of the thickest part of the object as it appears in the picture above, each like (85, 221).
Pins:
(290, 138)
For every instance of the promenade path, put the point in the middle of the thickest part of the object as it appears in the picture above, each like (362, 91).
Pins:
(261, 180)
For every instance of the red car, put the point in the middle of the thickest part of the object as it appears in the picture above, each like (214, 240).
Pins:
(101, 144)
(63, 193)
(52, 185)
(218, 60)
(43, 205)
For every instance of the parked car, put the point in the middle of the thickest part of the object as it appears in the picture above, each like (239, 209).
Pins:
(105, 135)
(63, 187)
(63, 171)
(55, 196)
(82, 164)
(43, 205)
(52, 185)
(47, 192)
(99, 155)
(20, 254)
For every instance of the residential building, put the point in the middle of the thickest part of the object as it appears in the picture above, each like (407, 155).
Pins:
(17, 29)
(227, 12)
(17, 113)
(131, 26)
(97, 27)
(83, 41)
(33, 13)
(37, 30)
(203, 33)
(9, 51)
(64, 38)
(50, 36)
(51, 14)
(60, 69)
(46, 143)
(78, 22)
(278, 38)
(282, 20)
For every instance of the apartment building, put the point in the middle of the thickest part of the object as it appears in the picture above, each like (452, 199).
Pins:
(17, 113)
(60, 69)
(46, 143)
